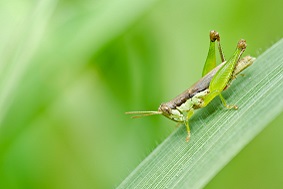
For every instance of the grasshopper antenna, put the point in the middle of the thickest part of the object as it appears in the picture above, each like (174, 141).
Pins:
(140, 114)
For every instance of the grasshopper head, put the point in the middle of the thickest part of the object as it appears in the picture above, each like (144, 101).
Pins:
(165, 109)
(170, 113)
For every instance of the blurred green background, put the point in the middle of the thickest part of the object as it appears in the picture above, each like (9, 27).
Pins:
(70, 69)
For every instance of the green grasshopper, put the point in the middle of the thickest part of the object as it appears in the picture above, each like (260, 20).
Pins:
(215, 80)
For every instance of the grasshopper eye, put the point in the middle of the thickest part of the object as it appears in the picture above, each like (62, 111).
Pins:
(165, 109)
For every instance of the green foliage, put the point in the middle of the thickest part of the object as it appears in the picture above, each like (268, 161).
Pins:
(218, 134)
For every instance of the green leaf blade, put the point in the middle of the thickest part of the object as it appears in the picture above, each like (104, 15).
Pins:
(217, 134)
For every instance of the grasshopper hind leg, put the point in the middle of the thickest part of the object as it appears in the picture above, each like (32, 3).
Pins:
(210, 62)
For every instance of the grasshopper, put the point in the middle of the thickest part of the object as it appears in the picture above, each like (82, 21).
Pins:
(215, 79)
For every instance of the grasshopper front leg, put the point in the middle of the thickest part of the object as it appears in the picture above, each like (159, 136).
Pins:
(194, 103)
(188, 116)
(224, 75)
